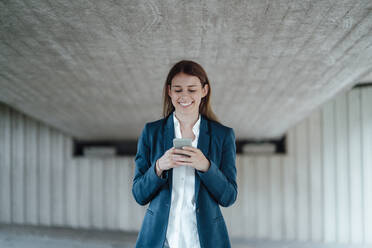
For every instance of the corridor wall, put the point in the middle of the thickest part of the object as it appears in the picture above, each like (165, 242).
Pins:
(320, 191)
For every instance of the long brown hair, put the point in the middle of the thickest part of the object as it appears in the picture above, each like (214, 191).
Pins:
(194, 69)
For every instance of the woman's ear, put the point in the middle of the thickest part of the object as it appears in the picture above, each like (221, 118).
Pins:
(205, 90)
(169, 90)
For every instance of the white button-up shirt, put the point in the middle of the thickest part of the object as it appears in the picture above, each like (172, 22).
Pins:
(182, 229)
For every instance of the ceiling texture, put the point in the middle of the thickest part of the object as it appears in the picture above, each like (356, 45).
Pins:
(96, 69)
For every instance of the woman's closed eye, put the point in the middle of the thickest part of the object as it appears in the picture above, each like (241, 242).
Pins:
(181, 90)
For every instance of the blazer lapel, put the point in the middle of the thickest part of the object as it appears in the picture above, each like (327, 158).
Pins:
(168, 143)
(203, 145)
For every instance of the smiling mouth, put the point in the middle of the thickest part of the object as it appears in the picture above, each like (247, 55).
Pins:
(185, 104)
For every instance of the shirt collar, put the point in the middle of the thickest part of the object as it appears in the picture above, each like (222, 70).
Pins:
(195, 128)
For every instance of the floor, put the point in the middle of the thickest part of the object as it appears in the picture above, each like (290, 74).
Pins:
(12, 236)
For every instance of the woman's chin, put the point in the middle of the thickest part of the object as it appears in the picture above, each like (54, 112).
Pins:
(186, 110)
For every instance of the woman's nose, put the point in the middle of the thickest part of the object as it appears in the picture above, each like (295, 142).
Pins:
(184, 94)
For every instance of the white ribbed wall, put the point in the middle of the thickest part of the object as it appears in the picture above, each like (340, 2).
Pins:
(41, 184)
(320, 191)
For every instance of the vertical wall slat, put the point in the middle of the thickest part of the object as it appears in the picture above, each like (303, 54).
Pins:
(97, 197)
(329, 199)
(316, 184)
(124, 194)
(342, 170)
(71, 186)
(242, 197)
(263, 198)
(302, 196)
(31, 196)
(367, 162)
(110, 202)
(44, 152)
(116, 190)
(85, 192)
(131, 206)
(5, 165)
(275, 198)
(289, 190)
(57, 185)
(18, 159)
(250, 174)
(355, 163)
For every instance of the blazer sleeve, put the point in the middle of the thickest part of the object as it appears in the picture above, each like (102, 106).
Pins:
(220, 181)
(146, 182)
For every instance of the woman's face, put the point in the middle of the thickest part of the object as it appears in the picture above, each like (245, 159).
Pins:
(186, 93)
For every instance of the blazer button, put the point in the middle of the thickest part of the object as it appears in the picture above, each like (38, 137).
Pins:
(197, 210)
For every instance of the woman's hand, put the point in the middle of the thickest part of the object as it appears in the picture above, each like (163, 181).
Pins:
(173, 159)
(196, 158)
(166, 161)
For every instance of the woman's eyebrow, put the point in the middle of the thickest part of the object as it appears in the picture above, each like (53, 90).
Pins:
(194, 85)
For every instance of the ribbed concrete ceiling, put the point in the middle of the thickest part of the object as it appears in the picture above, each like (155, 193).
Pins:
(95, 69)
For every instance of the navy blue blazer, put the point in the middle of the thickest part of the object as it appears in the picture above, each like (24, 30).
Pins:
(215, 187)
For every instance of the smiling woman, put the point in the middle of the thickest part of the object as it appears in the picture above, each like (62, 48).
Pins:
(188, 74)
(185, 186)
(186, 93)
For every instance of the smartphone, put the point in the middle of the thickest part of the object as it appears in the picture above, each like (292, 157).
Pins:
(180, 142)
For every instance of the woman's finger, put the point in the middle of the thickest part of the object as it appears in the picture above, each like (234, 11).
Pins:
(183, 159)
(170, 151)
(177, 157)
(184, 152)
(190, 148)
(183, 162)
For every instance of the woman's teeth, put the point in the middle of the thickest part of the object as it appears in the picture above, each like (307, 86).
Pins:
(185, 104)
